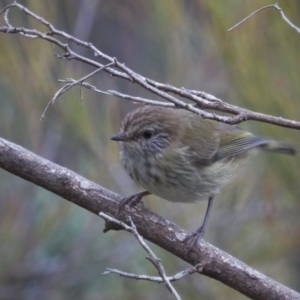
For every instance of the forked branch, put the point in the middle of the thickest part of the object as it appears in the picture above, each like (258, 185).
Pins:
(174, 96)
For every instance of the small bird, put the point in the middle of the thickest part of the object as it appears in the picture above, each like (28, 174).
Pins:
(181, 157)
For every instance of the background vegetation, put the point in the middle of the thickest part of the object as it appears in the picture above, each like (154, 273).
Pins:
(51, 249)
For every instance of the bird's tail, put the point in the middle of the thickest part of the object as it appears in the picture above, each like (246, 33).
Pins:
(280, 147)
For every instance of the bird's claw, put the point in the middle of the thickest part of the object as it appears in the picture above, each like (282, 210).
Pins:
(194, 238)
(132, 200)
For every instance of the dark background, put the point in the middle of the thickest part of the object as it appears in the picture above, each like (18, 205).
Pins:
(51, 249)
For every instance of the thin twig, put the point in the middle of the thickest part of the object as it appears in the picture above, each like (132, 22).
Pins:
(68, 86)
(152, 257)
(139, 99)
(284, 17)
(86, 85)
(248, 17)
(277, 7)
(6, 8)
(157, 279)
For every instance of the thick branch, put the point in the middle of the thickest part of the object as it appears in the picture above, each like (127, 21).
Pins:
(74, 188)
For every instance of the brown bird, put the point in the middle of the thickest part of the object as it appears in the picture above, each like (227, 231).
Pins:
(179, 156)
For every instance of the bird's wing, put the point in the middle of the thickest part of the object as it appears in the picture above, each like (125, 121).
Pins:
(209, 141)
(202, 138)
(238, 144)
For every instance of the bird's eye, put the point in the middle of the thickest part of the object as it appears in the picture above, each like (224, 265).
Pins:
(147, 134)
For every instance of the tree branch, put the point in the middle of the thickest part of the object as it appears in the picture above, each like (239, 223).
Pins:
(200, 99)
(214, 262)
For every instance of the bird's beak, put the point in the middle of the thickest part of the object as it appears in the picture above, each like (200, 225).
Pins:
(120, 137)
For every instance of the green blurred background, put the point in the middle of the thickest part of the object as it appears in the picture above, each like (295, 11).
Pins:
(51, 249)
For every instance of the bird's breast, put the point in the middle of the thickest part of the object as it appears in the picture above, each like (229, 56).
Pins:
(177, 178)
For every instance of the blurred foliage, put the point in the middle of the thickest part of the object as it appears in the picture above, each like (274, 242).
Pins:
(51, 249)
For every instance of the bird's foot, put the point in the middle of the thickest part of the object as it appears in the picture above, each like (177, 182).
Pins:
(132, 200)
(194, 238)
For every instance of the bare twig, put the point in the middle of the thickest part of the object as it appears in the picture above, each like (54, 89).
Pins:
(157, 279)
(201, 99)
(120, 95)
(68, 86)
(248, 17)
(139, 99)
(152, 257)
(86, 85)
(277, 7)
(6, 8)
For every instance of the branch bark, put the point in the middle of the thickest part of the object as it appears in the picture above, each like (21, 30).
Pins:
(214, 262)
